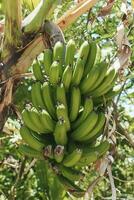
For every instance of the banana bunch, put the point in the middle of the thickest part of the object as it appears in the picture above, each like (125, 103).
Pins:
(64, 117)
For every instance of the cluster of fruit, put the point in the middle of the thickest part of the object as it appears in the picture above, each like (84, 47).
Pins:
(63, 122)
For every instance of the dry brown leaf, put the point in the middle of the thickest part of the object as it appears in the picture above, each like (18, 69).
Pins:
(124, 51)
(106, 9)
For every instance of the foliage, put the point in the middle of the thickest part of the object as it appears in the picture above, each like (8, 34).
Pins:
(17, 180)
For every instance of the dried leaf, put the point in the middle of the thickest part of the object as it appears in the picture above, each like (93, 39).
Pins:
(106, 9)
(124, 52)
(102, 166)
(91, 187)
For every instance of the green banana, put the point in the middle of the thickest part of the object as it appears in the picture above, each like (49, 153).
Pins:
(110, 75)
(59, 54)
(61, 95)
(88, 107)
(43, 138)
(67, 76)
(70, 52)
(94, 138)
(37, 71)
(73, 158)
(74, 103)
(113, 92)
(46, 122)
(87, 158)
(35, 117)
(84, 51)
(102, 72)
(47, 61)
(60, 133)
(78, 72)
(36, 96)
(54, 73)
(99, 125)
(106, 89)
(48, 152)
(70, 186)
(84, 128)
(31, 120)
(93, 57)
(70, 173)
(48, 100)
(30, 152)
(89, 80)
(59, 152)
(102, 148)
(62, 114)
(27, 136)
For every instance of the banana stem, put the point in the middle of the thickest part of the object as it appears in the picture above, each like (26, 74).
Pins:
(33, 22)
(12, 29)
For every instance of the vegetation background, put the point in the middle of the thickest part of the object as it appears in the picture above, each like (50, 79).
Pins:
(20, 177)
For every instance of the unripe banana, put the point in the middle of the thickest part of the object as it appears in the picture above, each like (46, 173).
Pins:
(72, 158)
(30, 152)
(98, 127)
(60, 133)
(70, 173)
(111, 74)
(47, 61)
(70, 52)
(93, 57)
(35, 117)
(102, 148)
(36, 96)
(70, 186)
(84, 51)
(87, 158)
(87, 108)
(113, 92)
(47, 97)
(29, 121)
(61, 95)
(28, 138)
(48, 152)
(59, 54)
(43, 138)
(46, 122)
(85, 127)
(74, 103)
(78, 72)
(59, 153)
(37, 71)
(89, 80)
(54, 73)
(67, 76)
(62, 114)
(102, 72)
(92, 140)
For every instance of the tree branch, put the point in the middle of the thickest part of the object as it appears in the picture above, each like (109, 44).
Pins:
(71, 15)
